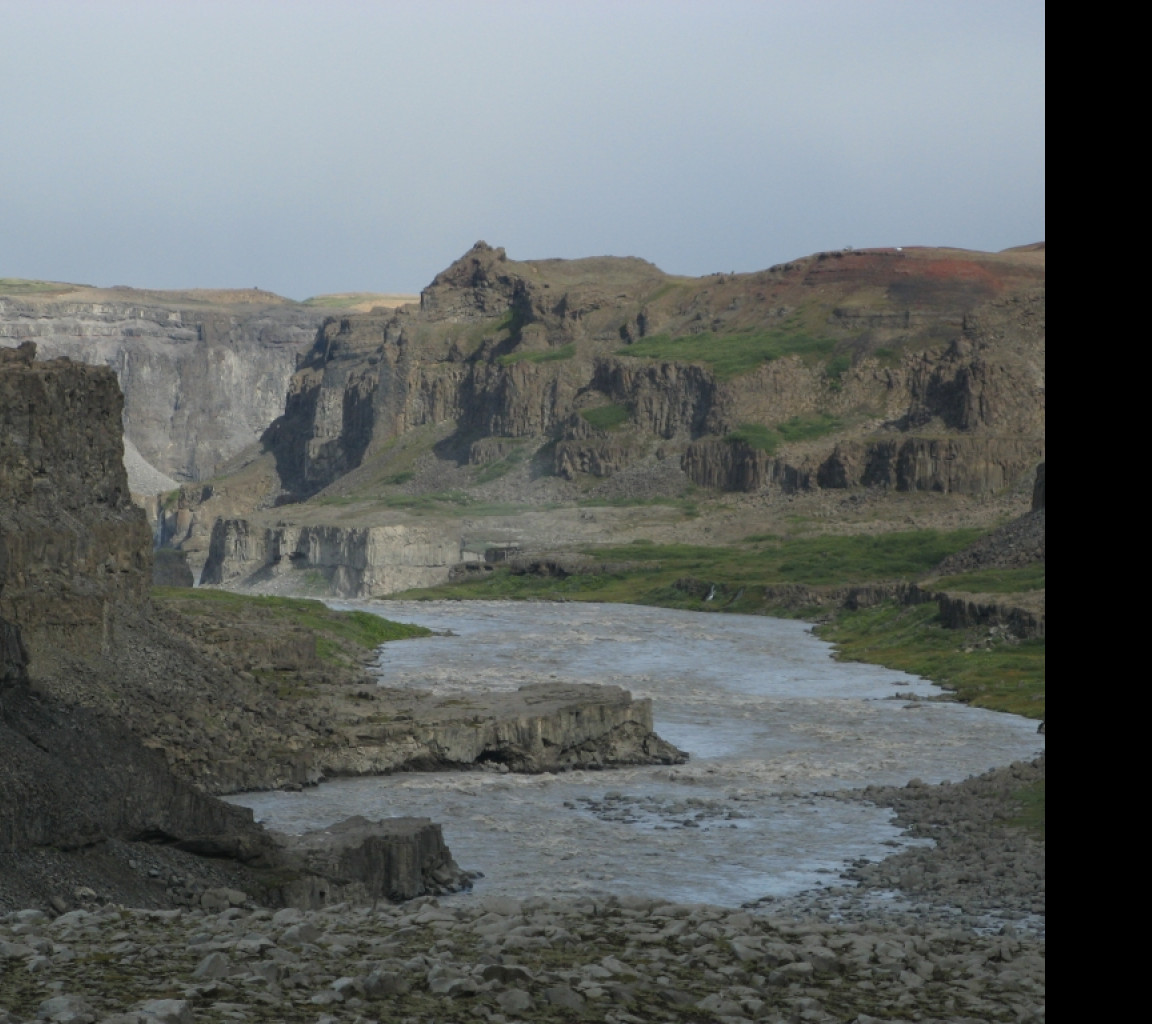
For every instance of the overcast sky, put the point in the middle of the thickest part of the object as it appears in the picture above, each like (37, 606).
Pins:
(346, 145)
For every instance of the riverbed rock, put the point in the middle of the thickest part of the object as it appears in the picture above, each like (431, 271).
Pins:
(361, 860)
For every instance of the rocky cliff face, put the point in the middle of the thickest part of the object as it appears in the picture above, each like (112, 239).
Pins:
(348, 561)
(118, 717)
(203, 374)
(909, 360)
(75, 561)
(73, 547)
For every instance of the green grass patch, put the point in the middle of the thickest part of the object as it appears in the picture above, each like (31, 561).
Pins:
(21, 286)
(606, 417)
(1001, 675)
(656, 572)
(996, 581)
(755, 435)
(798, 428)
(816, 561)
(398, 478)
(550, 355)
(808, 428)
(685, 506)
(362, 629)
(1031, 814)
(835, 369)
(730, 355)
(501, 467)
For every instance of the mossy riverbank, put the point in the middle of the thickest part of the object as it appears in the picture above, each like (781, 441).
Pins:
(803, 578)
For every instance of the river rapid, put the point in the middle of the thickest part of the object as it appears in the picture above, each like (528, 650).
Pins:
(769, 719)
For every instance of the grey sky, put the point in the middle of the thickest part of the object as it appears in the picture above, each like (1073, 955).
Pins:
(308, 147)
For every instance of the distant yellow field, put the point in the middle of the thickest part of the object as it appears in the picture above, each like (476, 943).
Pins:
(361, 302)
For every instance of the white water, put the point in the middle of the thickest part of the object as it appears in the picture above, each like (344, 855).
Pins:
(768, 717)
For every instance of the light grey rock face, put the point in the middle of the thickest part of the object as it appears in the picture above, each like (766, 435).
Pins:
(354, 562)
(198, 386)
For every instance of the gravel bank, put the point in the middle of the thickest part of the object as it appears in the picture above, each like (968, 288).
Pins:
(619, 961)
(982, 873)
(950, 933)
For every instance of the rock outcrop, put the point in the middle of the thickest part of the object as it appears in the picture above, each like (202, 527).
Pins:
(362, 861)
(74, 566)
(73, 547)
(203, 374)
(542, 727)
(543, 382)
(348, 561)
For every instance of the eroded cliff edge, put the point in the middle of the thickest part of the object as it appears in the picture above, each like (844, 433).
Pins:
(74, 557)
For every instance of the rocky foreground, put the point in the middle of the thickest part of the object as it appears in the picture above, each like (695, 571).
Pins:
(497, 959)
(952, 933)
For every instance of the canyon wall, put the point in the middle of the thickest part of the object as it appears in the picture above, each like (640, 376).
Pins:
(201, 379)
(937, 384)
(75, 560)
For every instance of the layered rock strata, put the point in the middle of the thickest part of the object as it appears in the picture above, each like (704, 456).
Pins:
(89, 682)
(542, 727)
(116, 719)
(202, 376)
(351, 561)
(545, 382)
(366, 861)
(74, 569)
(940, 387)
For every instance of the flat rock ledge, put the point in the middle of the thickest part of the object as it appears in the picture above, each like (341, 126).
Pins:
(498, 960)
(541, 727)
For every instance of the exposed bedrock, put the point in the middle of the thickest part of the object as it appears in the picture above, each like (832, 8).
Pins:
(361, 861)
(75, 564)
(73, 547)
(939, 385)
(979, 464)
(199, 384)
(92, 689)
(351, 562)
(538, 728)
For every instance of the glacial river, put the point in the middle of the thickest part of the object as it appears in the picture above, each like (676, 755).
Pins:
(770, 721)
